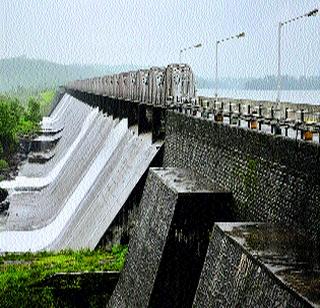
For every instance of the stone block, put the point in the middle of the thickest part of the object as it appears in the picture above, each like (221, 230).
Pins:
(169, 242)
(259, 265)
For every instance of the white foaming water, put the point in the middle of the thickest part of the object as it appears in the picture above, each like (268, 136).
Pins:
(39, 239)
(48, 138)
(110, 192)
(23, 182)
(71, 120)
(36, 212)
(86, 188)
(48, 122)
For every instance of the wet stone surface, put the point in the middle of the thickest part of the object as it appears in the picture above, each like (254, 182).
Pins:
(170, 240)
(184, 180)
(258, 265)
(287, 253)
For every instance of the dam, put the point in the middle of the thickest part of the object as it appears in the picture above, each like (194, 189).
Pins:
(218, 200)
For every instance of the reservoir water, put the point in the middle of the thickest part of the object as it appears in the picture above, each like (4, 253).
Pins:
(294, 96)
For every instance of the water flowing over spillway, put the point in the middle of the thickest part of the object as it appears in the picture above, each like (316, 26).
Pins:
(70, 116)
(70, 201)
(24, 182)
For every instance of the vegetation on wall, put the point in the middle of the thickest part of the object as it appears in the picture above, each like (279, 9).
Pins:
(248, 178)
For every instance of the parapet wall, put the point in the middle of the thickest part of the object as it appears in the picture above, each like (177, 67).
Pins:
(272, 178)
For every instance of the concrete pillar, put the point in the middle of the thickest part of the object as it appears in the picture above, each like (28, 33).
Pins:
(116, 108)
(133, 111)
(104, 102)
(86, 97)
(123, 109)
(144, 118)
(93, 100)
(100, 102)
(96, 100)
(108, 106)
(158, 123)
(169, 244)
(90, 99)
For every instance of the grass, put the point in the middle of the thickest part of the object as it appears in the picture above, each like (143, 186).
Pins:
(47, 96)
(19, 272)
(44, 99)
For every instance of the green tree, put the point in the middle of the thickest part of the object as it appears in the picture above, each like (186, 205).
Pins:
(8, 126)
(17, 109)
(34, 113)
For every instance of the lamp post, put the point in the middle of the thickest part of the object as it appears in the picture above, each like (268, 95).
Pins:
(281, 24)
(242, 34)
(188, 48)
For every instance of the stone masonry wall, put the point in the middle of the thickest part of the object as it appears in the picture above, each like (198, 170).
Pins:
(169, 242)
(233, 278)
(145, 249)
(272, 178)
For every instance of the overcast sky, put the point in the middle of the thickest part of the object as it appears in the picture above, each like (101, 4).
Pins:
(151, 32)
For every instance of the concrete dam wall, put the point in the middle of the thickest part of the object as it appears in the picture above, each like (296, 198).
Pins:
(229, 216)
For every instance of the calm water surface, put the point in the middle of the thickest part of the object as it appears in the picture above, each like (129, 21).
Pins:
(303, 97)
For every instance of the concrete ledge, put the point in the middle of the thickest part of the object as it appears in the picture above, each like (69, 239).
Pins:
(44, 143)
(40, 157)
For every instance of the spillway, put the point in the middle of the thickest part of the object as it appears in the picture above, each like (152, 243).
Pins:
(47, 202)
(123, 171)
(24, 182)
(71, 200)
(71, 119)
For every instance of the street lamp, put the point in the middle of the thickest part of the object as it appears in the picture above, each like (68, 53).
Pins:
(311, 13)
(187, 48)
(241, 34)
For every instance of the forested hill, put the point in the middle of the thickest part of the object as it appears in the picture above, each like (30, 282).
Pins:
(22, 72)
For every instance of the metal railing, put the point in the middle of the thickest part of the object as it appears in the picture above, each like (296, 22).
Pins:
(293, 123)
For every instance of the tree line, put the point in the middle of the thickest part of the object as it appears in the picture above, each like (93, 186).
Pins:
(15, 121)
